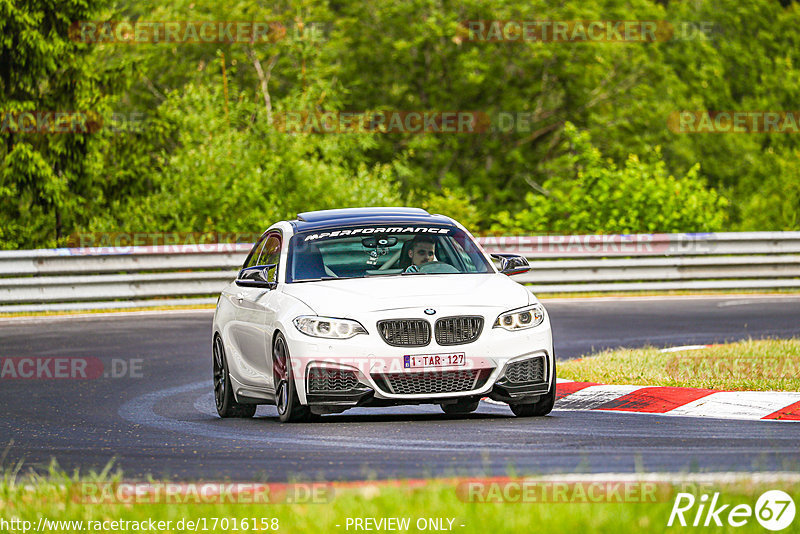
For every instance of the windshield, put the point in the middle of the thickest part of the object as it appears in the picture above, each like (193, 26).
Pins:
(358, 252)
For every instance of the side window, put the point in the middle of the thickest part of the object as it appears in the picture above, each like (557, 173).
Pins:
(252, 258)
(270, 254)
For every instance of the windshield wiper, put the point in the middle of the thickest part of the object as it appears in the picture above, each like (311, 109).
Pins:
(326, 278)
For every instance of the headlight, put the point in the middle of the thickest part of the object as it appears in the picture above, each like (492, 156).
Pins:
(521, 318)
(329, 327)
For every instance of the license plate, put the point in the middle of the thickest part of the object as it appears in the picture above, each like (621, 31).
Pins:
(417, 361)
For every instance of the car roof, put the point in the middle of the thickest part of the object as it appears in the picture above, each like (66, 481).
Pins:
(315, 220)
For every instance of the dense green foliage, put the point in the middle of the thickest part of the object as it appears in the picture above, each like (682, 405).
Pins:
(193, 143)
(44, 179)
(600, 197)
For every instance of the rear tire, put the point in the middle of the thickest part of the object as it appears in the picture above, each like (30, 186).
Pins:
(223, 390)
(460, 408)
(286, 400)
(541, 407)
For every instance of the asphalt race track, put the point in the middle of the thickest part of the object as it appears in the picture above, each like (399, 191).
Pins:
(162, 420)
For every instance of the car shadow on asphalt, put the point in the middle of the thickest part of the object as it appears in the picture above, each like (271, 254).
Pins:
(394, 418)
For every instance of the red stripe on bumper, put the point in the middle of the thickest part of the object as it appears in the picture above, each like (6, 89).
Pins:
(655, 399)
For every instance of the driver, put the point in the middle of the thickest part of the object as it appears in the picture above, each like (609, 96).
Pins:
(422, 250)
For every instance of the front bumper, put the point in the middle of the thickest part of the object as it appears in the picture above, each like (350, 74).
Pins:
(374, 373)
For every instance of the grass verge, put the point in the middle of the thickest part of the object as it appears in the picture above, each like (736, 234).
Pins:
(550, 506)
(108, 310)
(755, 365)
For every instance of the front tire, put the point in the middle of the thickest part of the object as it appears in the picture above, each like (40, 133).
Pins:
(286, 400)
(541, 407)
(223, 390)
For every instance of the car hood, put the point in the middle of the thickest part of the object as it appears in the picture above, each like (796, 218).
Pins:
(351, 297)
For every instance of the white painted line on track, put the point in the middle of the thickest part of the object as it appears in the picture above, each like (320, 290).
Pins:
(747, 302)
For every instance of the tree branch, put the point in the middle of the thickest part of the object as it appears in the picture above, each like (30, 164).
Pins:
(264, 78)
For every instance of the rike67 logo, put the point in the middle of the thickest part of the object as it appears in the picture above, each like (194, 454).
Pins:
(774, 510)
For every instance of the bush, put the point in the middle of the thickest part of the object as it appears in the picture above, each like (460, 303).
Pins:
(602, 198)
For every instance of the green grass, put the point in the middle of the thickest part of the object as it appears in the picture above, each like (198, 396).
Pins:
(54, 497)
(764, 365)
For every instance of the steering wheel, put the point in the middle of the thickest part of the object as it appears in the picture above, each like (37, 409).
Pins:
(437, 267)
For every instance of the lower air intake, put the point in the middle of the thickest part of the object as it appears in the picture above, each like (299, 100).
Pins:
(431, 382)
(321, 380)
(530, 370)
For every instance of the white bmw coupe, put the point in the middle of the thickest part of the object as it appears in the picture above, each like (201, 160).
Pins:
(378, 307)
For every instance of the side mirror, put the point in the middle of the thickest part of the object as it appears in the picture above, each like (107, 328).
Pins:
(512, 263)
(257, 276)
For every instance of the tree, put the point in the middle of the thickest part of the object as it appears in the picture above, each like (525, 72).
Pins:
(44, 186)
(599, 197)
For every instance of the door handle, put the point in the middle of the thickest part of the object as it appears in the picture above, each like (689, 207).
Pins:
(240, 297)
